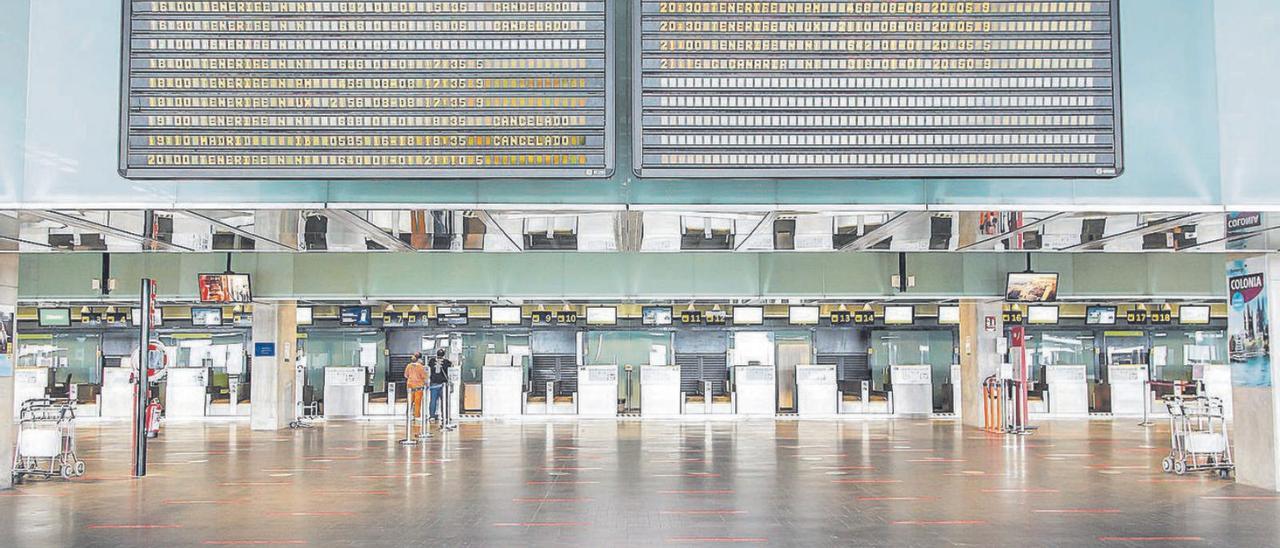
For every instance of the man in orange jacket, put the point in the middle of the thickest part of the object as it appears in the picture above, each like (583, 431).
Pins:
(415, 378)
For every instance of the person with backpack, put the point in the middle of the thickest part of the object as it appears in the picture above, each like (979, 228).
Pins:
(415, 379)
(438, 369)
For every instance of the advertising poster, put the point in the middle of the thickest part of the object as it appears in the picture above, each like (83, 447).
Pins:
(1241, 223)
(1248, 325)
(6, 342)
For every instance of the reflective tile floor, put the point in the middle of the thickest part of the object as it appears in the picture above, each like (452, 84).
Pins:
(631, 483)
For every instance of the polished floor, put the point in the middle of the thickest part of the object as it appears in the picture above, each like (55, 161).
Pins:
(633, 483)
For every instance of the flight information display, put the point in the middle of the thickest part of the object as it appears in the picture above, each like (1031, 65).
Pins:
(366, 89)
(889, 88)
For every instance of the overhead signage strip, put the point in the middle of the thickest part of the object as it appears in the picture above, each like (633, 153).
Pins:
(366, 89)
(814, 88)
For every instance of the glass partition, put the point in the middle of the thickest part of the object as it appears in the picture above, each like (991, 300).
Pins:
(1061, 347)
(623, 348)
(475, 346)
(223, 353)
(345, 348)
(933, 347)
(70, 354)
(1178, 355)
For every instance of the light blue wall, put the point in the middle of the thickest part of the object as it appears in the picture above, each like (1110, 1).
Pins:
(1170, 116)
(13, 96)
(1248, 61)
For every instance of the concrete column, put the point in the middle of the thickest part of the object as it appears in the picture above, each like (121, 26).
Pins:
(1252, 321)
(981, 327)
(273, 381)
(8, 303)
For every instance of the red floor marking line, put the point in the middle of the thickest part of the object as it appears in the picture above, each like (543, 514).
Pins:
(697, 492)
(702, 512)
(1080, 511)
(353, 493)
(542, 524)
(866, 481)
(224, 501)
(551, 500)
(905, 499)
(1029, 490)
(674, 540)
(553, 482)
(941, 522)
(392, 476)
(935, 460)
(1150, 539)
(138, 526)
(309, 514)
(1240, 497)
(568, 468)
(251, 483)
(251, 542)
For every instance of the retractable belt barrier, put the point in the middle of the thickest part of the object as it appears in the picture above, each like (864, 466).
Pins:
(1004, 404)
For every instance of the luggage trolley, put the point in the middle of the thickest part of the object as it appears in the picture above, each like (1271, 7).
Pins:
(1198, 432)
(46, 441)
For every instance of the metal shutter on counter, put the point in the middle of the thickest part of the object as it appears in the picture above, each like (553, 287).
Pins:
(696, 368)
(849, 367)
(561, 368)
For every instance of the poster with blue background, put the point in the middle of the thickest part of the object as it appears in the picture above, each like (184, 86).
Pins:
(1248, 324)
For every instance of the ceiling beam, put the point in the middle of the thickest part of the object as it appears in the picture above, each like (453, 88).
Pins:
(886, 230)
(1024, 228)
(1149, 228)
(94, 226)
(236, 230)
(370, 230)
(493, 225)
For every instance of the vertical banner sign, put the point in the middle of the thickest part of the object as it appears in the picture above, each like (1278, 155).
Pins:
(1239, 225)
(6, 341)
(1248, 323)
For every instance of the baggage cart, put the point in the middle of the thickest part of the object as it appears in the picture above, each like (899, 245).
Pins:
(46, 444)
(1198, 436)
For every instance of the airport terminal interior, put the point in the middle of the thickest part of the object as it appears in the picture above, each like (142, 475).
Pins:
(639, 272)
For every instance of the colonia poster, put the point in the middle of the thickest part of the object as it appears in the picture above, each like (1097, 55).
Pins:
(1248, 324)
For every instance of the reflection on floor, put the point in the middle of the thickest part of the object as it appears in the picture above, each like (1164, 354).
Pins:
(631, 483)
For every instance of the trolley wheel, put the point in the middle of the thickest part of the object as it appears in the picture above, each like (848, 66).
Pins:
(67, 471)
(79, 468)
(1167, 464)
(1224, 473)
(1179, 467)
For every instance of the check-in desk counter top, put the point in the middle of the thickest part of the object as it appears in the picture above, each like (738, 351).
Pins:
(755, 390)
(598, 390)
(1129, 392)
(912, 389)
(187, 392)
(344, 392)
(117, 392)
(1068, 390)
(29, 383)
(659, 390)
(816, 391)
(501, 390)
(1217, 383)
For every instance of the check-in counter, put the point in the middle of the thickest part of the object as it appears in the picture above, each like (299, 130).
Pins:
(659, 390)
(344, 392)
(598, 391)
(1129, 391)
(912, 389)
(1217, 383)
(186, 392)
(755, 390)
(117, 392)
(1068, 390)
(29, 383)
(955, 389)
(501, 390)
(455, 393)
(816, 392)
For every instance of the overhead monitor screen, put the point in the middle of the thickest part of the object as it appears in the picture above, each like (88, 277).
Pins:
(303, 315)
(656, 315)
(206, 317)
(748, 315)
(602, 315)
(1042, 314)
(1031, 287)
(890, 88)
(803, 315)
(899, 315)
(1193, 314)
(949, 315)
(504, 315)
(1100, 315)
(224, 288)
(454, 316)
(355, 315)
(366, 89)
(54, 317)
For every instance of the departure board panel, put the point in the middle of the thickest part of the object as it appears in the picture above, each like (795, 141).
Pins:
(890, 88)
(366, 89)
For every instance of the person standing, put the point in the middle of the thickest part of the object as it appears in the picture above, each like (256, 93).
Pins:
(415, 379)
(439, 371)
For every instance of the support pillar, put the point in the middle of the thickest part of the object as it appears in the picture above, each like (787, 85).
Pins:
(1253, 288)
(981, 327)
(275, 341)
(8, 309)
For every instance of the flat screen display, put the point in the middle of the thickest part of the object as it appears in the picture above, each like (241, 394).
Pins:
(1043, 315)
(135, 318)
(656, 315)
(451, 316)
(803, 315)
(504, 315)
(1100, 315)
(748, 315)
(366, 89)
(822, 88)
(602, 315)
(949, 315)
(355, 315)
(224, 288)
(206, 317)
(1193, 314)
(1031, 287)
(899, 315)
(303, 314)
(54, 317)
